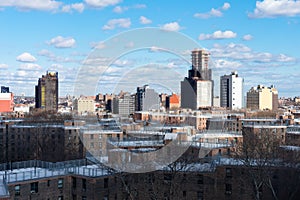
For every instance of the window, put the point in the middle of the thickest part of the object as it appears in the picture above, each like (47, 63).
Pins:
(17, 190)
(34, 187)
(167, 177)
(105, 182)
(228, 151)
(60, 183)
(48, 183)
(92, 136)
(200, 195)
(60, 198)
(73, 182)
(228, 172)
(228, 189)
(166, 197)
(184, 193)
(84, 184)
(83, 198)
(200, 179)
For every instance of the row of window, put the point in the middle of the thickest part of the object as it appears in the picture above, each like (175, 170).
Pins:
(34, 187)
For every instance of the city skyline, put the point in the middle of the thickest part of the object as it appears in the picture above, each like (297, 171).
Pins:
(59, 35)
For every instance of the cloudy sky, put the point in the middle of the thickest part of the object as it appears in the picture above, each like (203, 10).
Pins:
(259, 39)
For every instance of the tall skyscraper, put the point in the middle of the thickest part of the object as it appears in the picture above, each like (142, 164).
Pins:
(146, 99)
(231, 91)
(262, 98)
(197, 88)
(46, 92)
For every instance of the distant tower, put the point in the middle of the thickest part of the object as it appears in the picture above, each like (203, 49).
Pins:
(200, 63)
(197, 88)
(231, 91)
(46, 92)
(146, 99)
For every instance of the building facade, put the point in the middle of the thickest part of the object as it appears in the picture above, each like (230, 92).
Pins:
(172, 102)
(231, 91)
(46, 92)
(262, 98)
(83, 182)
(124, 105)
(42, 140)
(84, 105)
(197, 88)
(147, 99)
(6, 100)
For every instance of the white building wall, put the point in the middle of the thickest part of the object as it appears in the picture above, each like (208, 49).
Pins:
(84, 105)
(204, 93)
(237, 92)
(231, 85)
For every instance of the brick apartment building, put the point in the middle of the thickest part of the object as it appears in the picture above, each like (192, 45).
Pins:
(205, 181)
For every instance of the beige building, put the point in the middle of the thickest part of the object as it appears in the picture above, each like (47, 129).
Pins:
(84, 105)
(262, 98)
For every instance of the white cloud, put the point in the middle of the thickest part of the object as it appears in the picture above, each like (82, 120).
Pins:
(247, 37)
(61, 42)
(79, 7)
(221, 63)
(26, 57)
(214, 12)
(226, 6)
(284, 58)
(145, 20)
(121, 23)
(46, 53)
(129, 45)
(97, 61)
(276, 8)
(217, 35)
(243, 53)
(98, 45)
(139, 6)
(30, 67)
(123, 63)
(102, 3)
(47, 5)
(156, 49)
(3, 66)
(173, 26)
(60, 59)
(120, 9)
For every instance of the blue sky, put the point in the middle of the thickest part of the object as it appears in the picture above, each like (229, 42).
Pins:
(259, 39)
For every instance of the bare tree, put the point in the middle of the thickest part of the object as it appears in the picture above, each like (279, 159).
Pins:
(260, 154)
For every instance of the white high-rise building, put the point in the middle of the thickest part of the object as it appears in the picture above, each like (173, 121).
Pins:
(231, 91)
